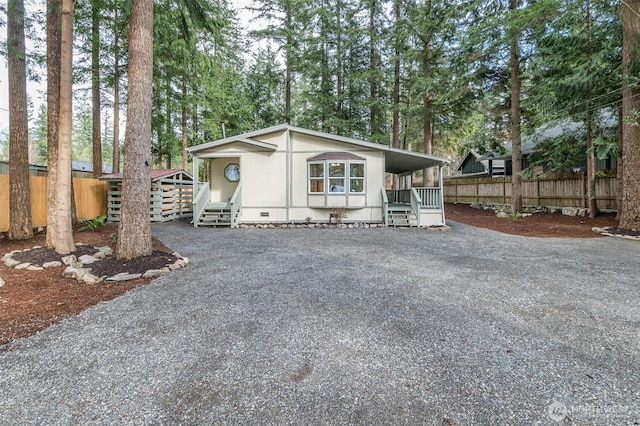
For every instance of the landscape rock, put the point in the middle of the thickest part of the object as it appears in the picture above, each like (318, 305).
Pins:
(11, 262)
(154, 273)
(34, 268)
(23, 266)
(106, 250)
(69, 260)
(53, 264)
(86, 259)
(124, 276)
(90, 279)
(502, 215)
(1, 282)
(99, 255)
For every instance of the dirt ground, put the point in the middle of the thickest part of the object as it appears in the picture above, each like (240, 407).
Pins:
(32, 300)
(543, 225)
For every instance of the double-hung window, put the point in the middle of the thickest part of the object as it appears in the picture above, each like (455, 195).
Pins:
(336, 173)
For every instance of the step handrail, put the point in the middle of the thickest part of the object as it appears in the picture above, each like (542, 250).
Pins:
(416, 204)
(200, 202)
(235, 205)
(385, 206)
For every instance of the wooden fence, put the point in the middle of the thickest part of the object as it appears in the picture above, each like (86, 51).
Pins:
(559, 191)
(90, 196)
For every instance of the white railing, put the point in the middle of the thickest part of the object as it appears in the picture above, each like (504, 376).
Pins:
(416, 203)
(431, 197)
(385, 206)
(235, 205)
(200, 201)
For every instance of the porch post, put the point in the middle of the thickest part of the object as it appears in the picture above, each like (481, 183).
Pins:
(196, 184)
(441, 184)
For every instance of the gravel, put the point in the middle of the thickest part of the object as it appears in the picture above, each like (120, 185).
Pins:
(341, 326)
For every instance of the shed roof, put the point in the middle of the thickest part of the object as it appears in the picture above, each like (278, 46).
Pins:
(155, 174)
(397, 161)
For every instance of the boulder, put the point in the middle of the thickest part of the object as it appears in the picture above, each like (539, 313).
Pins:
(502, 215)
(86, 259)
(10, 262)
(90, 279)
(124, 277)
(69, 260)
(153, 273)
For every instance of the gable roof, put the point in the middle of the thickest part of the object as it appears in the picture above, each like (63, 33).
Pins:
(397, 161)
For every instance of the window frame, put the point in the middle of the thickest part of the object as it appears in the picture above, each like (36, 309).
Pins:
(346, 179)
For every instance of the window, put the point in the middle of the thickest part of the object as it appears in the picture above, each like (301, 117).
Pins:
(316, 177)
(336, 176)
(356, 177)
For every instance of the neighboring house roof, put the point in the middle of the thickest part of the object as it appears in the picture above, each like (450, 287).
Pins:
(473, 156)
(397, 161)
(85, 166)
(155, 174)
(554, 129)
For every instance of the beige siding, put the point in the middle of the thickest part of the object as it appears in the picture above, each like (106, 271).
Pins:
(264, 182)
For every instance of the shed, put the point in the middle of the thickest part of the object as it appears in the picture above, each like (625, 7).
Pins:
(171, 195)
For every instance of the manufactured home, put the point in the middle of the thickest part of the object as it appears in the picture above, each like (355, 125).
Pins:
(287, 174)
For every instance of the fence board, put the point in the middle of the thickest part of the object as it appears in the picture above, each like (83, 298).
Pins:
(90, 197)
(558, 191)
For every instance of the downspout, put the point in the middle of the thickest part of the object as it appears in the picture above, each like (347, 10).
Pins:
(289, 173)
(196, 185)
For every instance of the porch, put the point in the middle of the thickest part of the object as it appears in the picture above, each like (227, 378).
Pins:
(413, 207)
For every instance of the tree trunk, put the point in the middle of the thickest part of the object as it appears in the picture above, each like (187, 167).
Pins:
(395, 124)
(630, 215)
(20, 227)
(54, 21)
(591, 154)
(288, 59)
(95, 89)
(516, 152)
(373, 88)
(63, 243)
(183, 123)
(619, 168)
(134, 231)
(591, 170)
(427, 117)
(116, 95)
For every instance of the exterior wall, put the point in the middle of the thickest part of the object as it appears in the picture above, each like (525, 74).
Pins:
(431, 217)
(275, 184)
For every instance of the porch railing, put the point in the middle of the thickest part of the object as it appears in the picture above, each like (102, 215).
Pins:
(431, 198)
(235, 205)
(200, 201)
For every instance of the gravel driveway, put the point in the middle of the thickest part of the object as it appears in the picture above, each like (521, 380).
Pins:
(340, 326)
